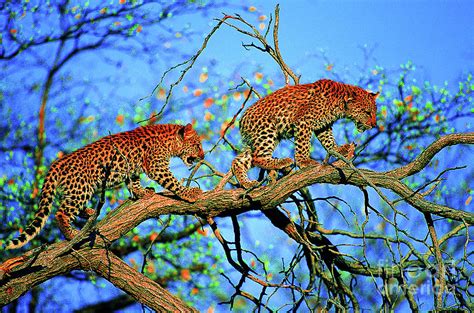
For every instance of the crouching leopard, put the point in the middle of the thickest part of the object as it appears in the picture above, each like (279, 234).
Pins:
(107, 163)
(298, 112)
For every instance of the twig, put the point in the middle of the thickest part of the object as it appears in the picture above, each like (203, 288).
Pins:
(190, 63)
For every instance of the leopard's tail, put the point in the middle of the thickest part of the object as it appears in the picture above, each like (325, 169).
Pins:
(41, 216)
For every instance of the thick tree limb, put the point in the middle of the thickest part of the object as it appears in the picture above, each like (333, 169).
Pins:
(46, 265)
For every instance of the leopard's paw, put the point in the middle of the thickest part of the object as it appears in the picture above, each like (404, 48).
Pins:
(285, 163)
(191, 194)
(249, 184)
(308, 162)
(347, 150)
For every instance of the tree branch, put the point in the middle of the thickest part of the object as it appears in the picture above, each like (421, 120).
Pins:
(93, 252)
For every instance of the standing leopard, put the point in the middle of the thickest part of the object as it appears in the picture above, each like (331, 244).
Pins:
(107, 163)
(298, 112)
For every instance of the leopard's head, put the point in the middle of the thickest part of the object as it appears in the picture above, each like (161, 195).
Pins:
(191, 148)
(361, 108)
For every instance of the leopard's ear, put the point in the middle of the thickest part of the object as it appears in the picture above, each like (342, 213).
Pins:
(375, 94)
(188, 127)
(184, 131)
(181, 132)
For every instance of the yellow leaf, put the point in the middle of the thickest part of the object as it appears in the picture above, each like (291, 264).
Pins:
(203, 77)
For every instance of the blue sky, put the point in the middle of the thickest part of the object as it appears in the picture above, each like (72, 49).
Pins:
(436, 35)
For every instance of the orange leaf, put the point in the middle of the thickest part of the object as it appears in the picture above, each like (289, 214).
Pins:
(237, 96)
(35, 193)
(208, 116)
(208, 102)
(197, 92)
(185, 274)
(13, 31)
(120, 119)
(153, 236)
(408, 98)
(246, 93)
(211, 309)
(153, 118)
(329, 67)
(161, 94)
(139, 28)
(468, 200)
(122, 1)
(194, 291)
(150, 267)
(252, 9)
(136, 238)
(202, 231)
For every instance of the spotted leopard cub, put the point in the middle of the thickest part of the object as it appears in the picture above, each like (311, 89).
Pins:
(298, 112)
(107, 163)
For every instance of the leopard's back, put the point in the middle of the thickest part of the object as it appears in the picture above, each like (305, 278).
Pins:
(318, 105)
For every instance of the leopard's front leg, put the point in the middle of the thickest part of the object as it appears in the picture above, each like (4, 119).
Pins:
(158, 170)
(136, 189)
(302, 145)
(326, 138)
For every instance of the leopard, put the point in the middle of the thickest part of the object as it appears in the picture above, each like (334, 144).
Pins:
(297, 112)
(109, 162)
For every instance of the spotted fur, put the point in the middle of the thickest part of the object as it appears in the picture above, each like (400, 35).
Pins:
(298, 112)
(109, 162)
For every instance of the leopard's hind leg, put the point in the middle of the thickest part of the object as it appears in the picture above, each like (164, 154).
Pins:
(70, 207)
(65, 215)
